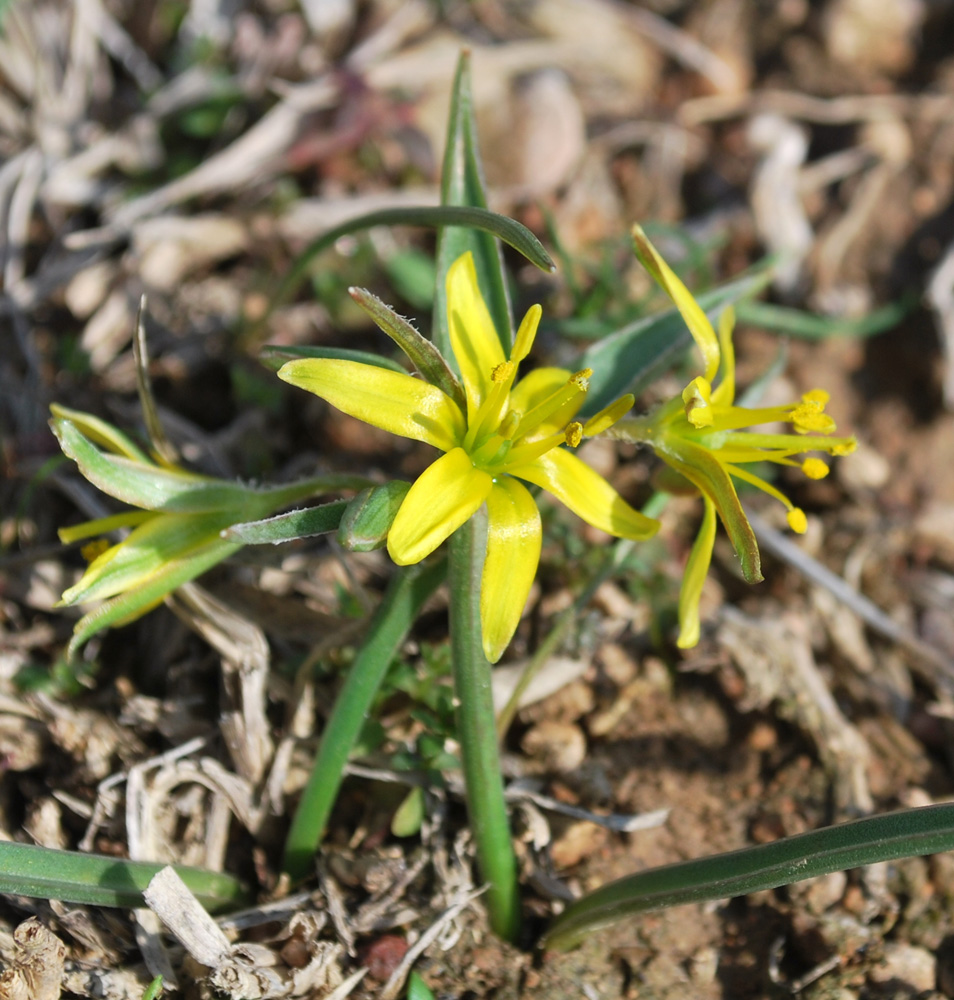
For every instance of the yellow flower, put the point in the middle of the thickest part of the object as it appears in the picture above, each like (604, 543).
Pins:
(702, 436)
(177, 520)
(497, 431)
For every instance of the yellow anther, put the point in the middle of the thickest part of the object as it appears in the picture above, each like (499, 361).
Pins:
(574, 433)
(809, 418)
(92, 550)
(502, 372)
(581, 379)
(818, 396)
(797, 520)
(814, 468)
(697, 397)
(844, 447)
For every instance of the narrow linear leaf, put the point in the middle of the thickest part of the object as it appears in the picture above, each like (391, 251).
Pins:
(908, 833)
(147, 400)
(795, 323)
(286, 527)
(459, 213)
(462, 184)
(74, 877)
(628, 360)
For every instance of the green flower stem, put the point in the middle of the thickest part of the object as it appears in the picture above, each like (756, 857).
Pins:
(476, 729)
(908, 833)
(408, 591)
(74, 877)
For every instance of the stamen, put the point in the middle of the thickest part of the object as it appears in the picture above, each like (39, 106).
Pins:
(574, 433)
(814, 468)
(502, 372)
(697, 397)
(93, 550)
(608, 416)
(534, 417)
(797, 520)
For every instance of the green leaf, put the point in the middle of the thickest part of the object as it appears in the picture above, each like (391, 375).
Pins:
(423, 354)
(462, 183)
(409, 589)
(146, 486)
(97, 880)
(908, 833)
(407, 820)
(628, 360)
(417, 989)
(796, 323)
(473, 215)
(287, 527)
(153, 989)
(368, 517)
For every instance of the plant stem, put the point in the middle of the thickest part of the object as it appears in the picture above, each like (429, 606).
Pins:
(389, 625)
(477, 731)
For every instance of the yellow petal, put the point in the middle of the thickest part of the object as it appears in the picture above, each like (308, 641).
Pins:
(161, 540)
(445, 495)
(695, 318)
(396, 403)
(473, 337)
(695, 577)
(586, 493)
(725, 393)
(513, 553)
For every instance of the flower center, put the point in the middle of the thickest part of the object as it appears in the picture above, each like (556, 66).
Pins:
(500, 438)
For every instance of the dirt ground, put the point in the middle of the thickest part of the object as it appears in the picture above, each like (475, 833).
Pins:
(189, 152)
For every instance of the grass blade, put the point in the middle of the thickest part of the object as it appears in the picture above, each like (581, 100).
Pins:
(903, 834)
(462, 184)
(74, 877)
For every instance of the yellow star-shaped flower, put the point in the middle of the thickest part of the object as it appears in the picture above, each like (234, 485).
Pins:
(701, 435)
(500, 432)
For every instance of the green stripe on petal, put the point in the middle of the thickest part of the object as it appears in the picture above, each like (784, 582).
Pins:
(444, 496)
(694, 578)
(513, 552)
(587, 494)
(399, 404)
(707, 474)
(160, 540)
(473, 335)
(133, 604)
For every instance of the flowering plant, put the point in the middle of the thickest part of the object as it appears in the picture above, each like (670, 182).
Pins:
(702, 436)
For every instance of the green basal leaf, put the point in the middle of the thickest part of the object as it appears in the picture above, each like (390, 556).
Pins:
(417, 989)
(795, 323)
(275, 355)
(462, 184)
(628, 360)
(456, 213)
(73, 877)
(153, 989)
(368, 518)
(287, 527)
(909, 833)
(423, 354)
